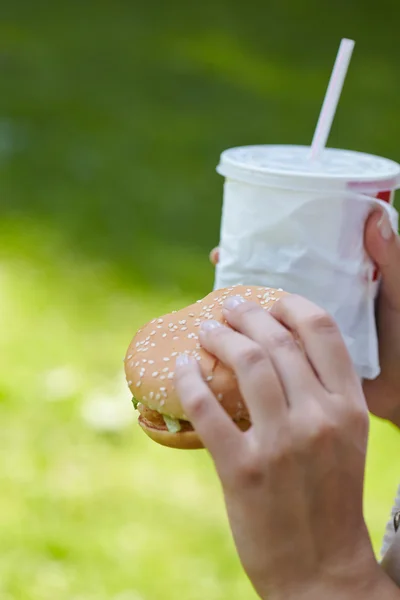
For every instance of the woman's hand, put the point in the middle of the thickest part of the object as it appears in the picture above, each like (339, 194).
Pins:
(293, 483)
(383, 246)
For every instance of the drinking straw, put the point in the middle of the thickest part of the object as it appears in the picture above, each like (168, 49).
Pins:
(331, 99)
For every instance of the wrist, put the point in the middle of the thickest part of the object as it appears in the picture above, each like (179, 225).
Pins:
(373, 584)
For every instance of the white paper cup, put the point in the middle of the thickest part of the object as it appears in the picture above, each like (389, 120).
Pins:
(294, 224)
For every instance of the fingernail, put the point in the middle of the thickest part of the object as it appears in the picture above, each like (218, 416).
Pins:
(385, 227)
(210, 325)
(233, 302)
(182, 360)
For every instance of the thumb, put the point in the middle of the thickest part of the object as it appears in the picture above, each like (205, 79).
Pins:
(383, 247)
(214, 256)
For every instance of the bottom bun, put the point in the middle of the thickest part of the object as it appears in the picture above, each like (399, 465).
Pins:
(184, 440)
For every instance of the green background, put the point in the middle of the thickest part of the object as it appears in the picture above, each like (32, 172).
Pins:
(112, 118)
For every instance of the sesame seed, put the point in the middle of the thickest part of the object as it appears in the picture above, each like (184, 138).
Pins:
(153, 332)
(170, 324)
(153, 345)
(220, 396)
(166, 359)
(159, 326)
(183, 328)
(151, 395)
(144, 398)
(129, 356)
(129, 382)
(164, 335)
(211, 306)
(170, 375)
(159, 320)
(139, 383)
(147, 339)
(137, 364)
(163, 389)
(176, 337)
(183, 322)
(158, 396)
(144, 360)
(174, 354)
(154, 374)
(151, 362)
(191, 314)
(162, 377)
(209, 378)
(198, 346)
(162, 402)
(165, 370)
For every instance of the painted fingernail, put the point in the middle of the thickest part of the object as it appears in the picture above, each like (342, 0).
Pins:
(182, 360)
(233, 302)
(210, 325)
(385, 227)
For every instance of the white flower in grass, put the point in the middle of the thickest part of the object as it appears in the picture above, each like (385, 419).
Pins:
(61, 383)
(109, 410)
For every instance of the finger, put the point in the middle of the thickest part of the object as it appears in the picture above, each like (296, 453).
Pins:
(320, 338)
(216, 429)
(257, 379)
(383, 246)
(295, 373)
(214, 256)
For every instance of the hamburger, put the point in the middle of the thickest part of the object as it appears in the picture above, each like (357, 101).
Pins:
(150, 363)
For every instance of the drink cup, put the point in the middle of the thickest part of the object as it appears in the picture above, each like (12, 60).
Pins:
(292, 223)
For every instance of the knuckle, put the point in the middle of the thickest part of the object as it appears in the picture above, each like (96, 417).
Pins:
(357, 418)
(250, 470)
(247, 311)
(282, 339)
(322, 432)
(252, 356)
(279, 454)
(315, 430)
(197, 405)
(320, 321)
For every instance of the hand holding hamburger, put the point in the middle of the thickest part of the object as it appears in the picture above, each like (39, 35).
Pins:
(150, 367)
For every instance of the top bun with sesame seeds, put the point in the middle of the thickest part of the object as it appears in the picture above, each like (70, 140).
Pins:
(150, 364)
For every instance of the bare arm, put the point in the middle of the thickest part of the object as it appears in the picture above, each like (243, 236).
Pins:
(391, 560)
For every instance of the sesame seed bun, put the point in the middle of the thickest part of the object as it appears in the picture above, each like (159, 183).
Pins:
(150, 363)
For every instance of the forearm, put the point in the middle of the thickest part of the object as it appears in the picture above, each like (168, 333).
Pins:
(396, 417)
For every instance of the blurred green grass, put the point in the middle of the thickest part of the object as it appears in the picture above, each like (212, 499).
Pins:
(112, 118)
